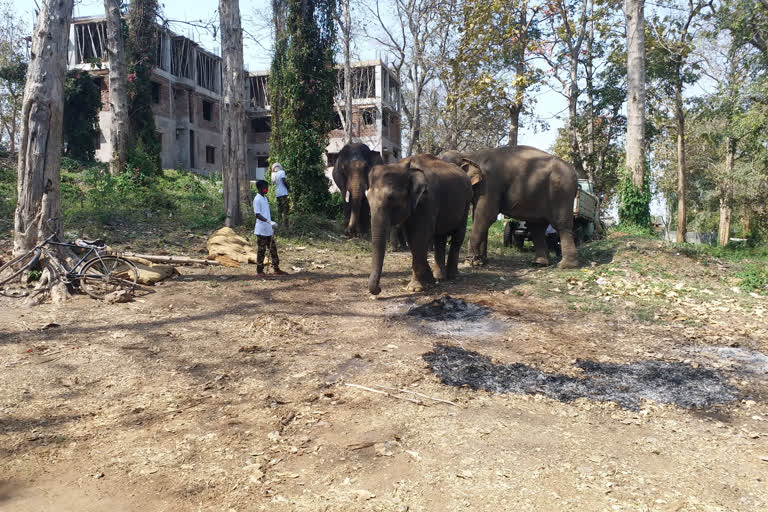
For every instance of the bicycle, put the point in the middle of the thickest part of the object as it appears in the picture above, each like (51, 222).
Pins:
(97, 274)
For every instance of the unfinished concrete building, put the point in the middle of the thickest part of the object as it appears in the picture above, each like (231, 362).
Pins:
(186, 94)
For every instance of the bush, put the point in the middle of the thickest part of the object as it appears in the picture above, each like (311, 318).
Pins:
(82, 103)
(634, 205)
(754, 277)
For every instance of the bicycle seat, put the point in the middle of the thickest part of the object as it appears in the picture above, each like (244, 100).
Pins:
(96, 244)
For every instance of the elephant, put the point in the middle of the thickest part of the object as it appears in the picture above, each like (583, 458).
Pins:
(350, 174)
(527, 184)
(429, 199)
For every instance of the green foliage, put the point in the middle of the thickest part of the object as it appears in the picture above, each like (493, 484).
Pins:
(141, 47)
(92, 197)
(634, 204)
(302, 82)
(8, 195)
(82, 103)
(754, 277)
(14, 73)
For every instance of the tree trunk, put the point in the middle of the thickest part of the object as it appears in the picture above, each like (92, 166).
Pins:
(635, 16)
(41, 128)
(726, 193)
(233, 143)
(589, 160)
(746, 222)
(39, 201)
(682, 224)
(573, 99)
(347, 34)
(514, 125)
(118, 94)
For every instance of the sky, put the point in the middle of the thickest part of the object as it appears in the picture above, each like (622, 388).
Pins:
(257, 43)
(549, 105)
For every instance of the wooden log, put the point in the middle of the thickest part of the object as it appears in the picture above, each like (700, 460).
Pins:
(180, 260)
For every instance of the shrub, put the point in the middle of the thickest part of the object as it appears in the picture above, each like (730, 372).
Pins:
(82, 103)
(634, 205)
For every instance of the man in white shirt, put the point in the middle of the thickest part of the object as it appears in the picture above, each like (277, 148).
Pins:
(281, 193)
(264, 230)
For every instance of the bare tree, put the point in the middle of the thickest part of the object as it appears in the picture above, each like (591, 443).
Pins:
(673, 33)
(635, 16)
(569, 30)
(416, 42)
(233, 135)
(118, 94)
(39, 179)
(346, 36)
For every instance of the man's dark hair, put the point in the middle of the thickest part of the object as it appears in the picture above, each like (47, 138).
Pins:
(261, 184)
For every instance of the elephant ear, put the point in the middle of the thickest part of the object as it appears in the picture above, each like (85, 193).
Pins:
(338, 175)
(418, 184)
(475, 173)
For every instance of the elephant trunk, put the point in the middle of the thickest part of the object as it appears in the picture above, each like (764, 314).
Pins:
(356, 186)
(355, 208)
(379, 236)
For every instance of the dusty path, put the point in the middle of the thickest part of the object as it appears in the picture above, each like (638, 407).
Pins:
(226, 392)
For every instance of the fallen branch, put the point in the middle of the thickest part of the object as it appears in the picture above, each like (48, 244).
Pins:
(413, 400)
(181, 260)
(418, 394)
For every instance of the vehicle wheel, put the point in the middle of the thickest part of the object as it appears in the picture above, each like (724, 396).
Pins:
(107, 274)
(509, 235)
(13, 270)
(518, 242)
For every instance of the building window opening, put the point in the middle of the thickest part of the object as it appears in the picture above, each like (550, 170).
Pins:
(207, 110)
(261, 125)
(262, 162)
(210, 154)
(369, 117)
(155, 92)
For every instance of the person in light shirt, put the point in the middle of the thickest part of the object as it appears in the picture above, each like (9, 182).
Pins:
(281, 193)
(264, 230)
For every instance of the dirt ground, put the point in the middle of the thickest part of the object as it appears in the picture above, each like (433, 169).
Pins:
(223, 391)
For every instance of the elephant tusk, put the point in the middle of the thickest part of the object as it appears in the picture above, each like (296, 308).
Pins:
(366, 192)
(346, 198)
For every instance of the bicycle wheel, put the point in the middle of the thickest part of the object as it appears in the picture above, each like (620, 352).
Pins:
(14, 269)
(106, 274)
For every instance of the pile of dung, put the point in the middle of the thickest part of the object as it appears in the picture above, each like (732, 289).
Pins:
(625, 384)
(447, 308)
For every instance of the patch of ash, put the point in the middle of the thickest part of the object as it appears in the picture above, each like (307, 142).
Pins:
(447, 308)
(625, 384)
(451, 317)
(736, 359)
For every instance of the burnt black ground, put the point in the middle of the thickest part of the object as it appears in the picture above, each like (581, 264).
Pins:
(447, 308)
(625, 384)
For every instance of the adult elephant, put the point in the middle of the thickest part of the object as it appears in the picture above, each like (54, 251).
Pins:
(429, 199)
(527, 184)
(350, 174)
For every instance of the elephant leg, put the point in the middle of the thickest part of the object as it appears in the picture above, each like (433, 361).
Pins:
(422, 274)
(539, 244)
(397, 239)
(568, 248)
(440, 241)
(478, 242)
(394, 243)
(457, 239)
